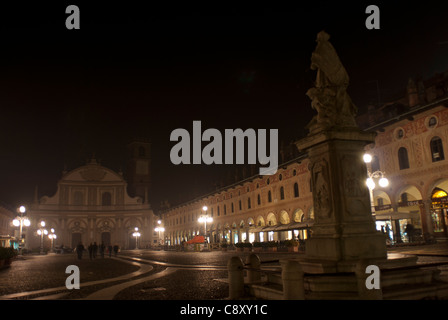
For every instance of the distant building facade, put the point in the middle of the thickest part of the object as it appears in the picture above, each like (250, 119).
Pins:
(256, 209)
(92, 204)
(7, 231)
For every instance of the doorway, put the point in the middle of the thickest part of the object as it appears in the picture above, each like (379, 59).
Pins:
(105, 238)
(76, 239)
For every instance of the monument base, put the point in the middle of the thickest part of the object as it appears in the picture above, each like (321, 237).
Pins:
(347, 247)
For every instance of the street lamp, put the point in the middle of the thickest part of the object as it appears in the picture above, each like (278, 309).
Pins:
(204, 219)
(136, 234)
(370, 182)
(42, 231)
(52, 236)
(21, 221)
(159, 229)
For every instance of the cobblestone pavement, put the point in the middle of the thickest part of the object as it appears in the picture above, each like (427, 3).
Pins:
(153, 275)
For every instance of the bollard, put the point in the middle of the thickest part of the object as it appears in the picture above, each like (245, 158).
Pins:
(253, 261)
(236, 278)
(361, 277)
(292, 277)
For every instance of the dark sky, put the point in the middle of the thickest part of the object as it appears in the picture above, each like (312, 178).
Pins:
(133, 71)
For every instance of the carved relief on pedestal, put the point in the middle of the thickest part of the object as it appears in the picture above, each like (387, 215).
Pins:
(321, 192)
(355, 191)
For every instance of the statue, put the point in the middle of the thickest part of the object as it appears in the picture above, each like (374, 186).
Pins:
(329, 96)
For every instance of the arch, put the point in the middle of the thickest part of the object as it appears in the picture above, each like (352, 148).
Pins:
(260, 221)
(284, 217)
(298, 215)
(441, 183)
(250, 222)
(311, 213)
(381, 198)
(413, 193)
(271, 219)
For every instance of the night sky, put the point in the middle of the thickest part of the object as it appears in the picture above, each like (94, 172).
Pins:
(134, 71)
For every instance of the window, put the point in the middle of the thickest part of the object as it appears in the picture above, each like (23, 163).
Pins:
(269, 196)
(106, 199)
(141, 151)
(239, 204)
(248, 203)
(78, 198)
(404, 198)
(282, 193)
(296, 190)
(218, 211)
(403, 160)
(436, 149)
(258, 199)
(232, 207)
(432, 122)
(375, 164)
(225, 209)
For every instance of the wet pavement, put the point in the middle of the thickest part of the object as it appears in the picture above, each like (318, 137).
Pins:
(146, 274)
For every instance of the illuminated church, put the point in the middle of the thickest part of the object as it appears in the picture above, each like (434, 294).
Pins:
(92, 204)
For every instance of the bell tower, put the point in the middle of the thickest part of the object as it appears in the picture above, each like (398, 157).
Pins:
(139, 168)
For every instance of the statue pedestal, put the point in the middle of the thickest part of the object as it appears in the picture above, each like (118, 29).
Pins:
(343, 228)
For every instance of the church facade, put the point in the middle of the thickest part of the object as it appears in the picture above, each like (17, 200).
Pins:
(92, 204)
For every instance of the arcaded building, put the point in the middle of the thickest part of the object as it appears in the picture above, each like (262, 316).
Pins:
(411, 150)
(256, 209)
(92, 204)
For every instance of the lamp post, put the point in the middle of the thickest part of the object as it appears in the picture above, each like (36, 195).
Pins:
(136, 234)
(159, 229)
(52, 236)
(42, 231)
(204, 219)
(21, 221)
(377, 175)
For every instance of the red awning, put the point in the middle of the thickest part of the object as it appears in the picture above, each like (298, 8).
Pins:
(197, 239)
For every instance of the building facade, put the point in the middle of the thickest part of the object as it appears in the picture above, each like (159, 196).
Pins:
(256, 209)
(7, 231)
(410, 149)
(92, 204)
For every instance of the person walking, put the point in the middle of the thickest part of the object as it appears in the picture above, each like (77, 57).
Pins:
(102, 247)
(95, 249)
(109, 248)
(79, 250)
(90, 249)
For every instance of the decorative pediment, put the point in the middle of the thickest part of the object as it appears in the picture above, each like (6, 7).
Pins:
(92, 174)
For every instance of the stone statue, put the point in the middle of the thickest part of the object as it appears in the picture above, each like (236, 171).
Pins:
(329, 96)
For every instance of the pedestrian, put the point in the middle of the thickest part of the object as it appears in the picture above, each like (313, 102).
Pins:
(102, 247)
(109, 248)
(115, 249)
(90, 249)
(410, 232)
(79, 250)
(95, 249)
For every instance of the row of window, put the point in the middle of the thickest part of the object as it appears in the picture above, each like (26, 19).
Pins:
(78, 198)
(240, 204)
(436, 148)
